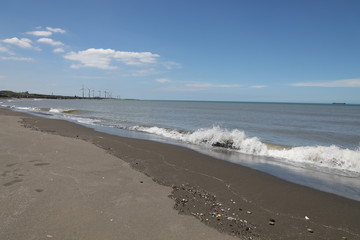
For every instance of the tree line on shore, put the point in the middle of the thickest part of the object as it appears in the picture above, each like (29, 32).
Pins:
(11, 94)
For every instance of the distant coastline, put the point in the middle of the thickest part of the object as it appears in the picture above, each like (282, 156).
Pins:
(11, 94)
(27, 95)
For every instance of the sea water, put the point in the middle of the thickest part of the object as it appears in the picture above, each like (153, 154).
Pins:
(317, 145)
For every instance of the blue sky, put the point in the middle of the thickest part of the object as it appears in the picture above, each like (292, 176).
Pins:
(225, 50)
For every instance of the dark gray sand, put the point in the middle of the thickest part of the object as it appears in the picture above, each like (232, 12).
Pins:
(230, 198)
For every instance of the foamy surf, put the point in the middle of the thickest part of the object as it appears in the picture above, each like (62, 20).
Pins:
(345, 161)
(49, 110)
(59, 110)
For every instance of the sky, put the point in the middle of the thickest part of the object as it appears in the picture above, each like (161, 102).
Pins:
(213, 50)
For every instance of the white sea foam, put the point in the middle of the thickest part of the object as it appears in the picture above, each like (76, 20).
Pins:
(87, 121)
(330, 157)
(50, 110)
(55, 110)
(60, 110)
(25, 108)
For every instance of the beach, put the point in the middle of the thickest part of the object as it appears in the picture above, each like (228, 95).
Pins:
(60, 180)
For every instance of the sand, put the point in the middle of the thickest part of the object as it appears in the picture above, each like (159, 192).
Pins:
(65, 181)
(54, 187)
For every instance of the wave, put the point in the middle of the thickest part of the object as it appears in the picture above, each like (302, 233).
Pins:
(46, 109)
(87, 121)
(331, 157)
(69, 114)
(66, 111)
(323, 158)
(31, 109)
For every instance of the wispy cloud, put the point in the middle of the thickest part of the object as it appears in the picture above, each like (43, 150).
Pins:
(6, 50)
(258, 86)
(23, 42)
(162, 80)
(142, 72)
(355, 82)
(56, 30)
(50, 41)
(103, 58)
(171, 65)
(211, 85)
(40, 33)
(46, 33)
(16, 58)
(58, 50)
(191, 86)
(177, 89)
(93, 77)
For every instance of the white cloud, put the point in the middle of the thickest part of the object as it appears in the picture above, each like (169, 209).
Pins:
(355, 82)
(58, 50)
(23, 42)
(162, 80)
(46, 33)
(136, 58)
(5, 50)
(97, 58)
(55, 30)
(40, 33)
(102, 58)
(16, 58)
(50, 41)
(258, 86)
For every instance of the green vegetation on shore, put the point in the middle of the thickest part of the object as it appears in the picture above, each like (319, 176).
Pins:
(11, 94)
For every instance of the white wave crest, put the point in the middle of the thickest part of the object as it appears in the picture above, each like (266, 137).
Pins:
(168, 133)
(323, 156)
(56, 110)
(331, 157)
(234, 139)
(60, 110)
(25, 108)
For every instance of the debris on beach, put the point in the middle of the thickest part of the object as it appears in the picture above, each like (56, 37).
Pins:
(206, 208)
(272, 222)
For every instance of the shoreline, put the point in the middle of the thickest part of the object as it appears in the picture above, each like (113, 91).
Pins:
(222, 188)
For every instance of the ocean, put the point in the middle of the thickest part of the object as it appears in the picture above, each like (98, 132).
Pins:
(316, 145)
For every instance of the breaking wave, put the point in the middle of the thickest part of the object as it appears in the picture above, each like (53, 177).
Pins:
(50, 110)
(331, 157)
(324, 158)
(68, 114)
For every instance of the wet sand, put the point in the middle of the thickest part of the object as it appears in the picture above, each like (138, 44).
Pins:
(56, 184)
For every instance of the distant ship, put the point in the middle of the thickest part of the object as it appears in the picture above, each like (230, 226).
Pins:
(339, 103)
